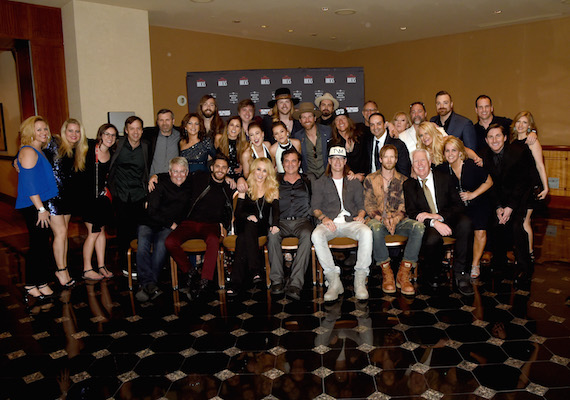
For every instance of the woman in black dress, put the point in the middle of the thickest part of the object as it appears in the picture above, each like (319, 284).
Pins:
(66, 153)
(473, 182)
(232, 143)
(252, 221)
(97, 202)
(345, 134)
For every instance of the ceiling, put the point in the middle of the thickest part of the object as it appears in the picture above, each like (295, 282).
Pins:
(306, 23)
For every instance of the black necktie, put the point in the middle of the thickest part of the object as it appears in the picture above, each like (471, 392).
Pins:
(377, 162)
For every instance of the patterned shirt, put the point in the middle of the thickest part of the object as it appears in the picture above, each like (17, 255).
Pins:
(388, 205)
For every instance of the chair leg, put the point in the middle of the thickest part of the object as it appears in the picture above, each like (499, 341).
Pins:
(220, 266)
(267, 267)
(130, 268)
(314, 265)
(174, 274)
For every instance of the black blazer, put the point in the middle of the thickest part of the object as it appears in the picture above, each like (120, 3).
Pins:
(449, 203)
(512, 181)
(403, 166)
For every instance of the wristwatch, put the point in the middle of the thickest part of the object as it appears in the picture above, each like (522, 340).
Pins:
(41, 210)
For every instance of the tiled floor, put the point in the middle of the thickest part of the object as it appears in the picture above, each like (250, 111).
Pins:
(97, 342)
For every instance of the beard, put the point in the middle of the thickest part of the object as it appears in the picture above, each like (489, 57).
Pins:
(326, 113)
(208, 113)
(443, 111)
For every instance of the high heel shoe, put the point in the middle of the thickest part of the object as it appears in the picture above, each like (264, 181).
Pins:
(46, 296)
(69, 284)
(27, 295)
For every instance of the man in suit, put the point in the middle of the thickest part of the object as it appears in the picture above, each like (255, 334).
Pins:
(314, 138)
(338, 205)
(379, 138)
(433, 200)
(509, 167)
(128, 180)
(454, 124)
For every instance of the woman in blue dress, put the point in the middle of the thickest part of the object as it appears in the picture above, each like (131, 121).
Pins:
(36, 185)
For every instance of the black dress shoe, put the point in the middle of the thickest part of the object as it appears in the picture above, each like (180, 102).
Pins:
(293, 292)
(277, 288)
(464, 285)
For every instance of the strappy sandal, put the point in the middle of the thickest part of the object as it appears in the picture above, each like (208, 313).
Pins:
(47, 296)
(70, 283)
(99, 277)
(28, 295)
(475, 271)
(105, 272)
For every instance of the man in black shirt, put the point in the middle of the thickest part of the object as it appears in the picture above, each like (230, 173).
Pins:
(295, 207)
(167, 205)
(208, 218)
(128, 180)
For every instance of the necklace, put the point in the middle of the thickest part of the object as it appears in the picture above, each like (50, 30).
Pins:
(287, 146)
(260, 209)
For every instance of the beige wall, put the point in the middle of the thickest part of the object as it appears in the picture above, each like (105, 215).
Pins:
(175, 52)
(521, 67)
(107, 57)
(11, 105)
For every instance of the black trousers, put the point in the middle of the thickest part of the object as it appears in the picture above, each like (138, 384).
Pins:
(433, 252)
(128, 215)
(501, 237)
(247, 255)
(39, 260)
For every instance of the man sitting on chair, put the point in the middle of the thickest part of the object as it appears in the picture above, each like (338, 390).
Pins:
(338, 204)
(384, 203)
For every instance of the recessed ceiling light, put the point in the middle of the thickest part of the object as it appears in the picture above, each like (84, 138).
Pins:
(290, 30)
(313, 34)
(265, 26)
(345, 11)
(325, 9)
(498, 11)
(236, 21)
(201, 1)
(333, 37)
(403, 28)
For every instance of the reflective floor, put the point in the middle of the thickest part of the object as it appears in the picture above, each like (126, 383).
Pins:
(97, 342)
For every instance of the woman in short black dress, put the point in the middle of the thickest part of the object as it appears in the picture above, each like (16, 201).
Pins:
(473, 182)
(97, 211)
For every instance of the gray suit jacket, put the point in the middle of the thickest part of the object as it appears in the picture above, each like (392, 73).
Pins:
(460, 127)
(325, 197)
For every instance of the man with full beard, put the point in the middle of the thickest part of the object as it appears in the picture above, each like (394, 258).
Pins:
(454, 124)
(208, 110)
(326, 104)
(384, 204)
(281, 110)
(314, 138)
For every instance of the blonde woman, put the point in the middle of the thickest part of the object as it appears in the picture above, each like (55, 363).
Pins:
(401, 122)
(36, 185)
(66, 154)
(522, 126)
(431, 139)
(257, 148)
(252, 221)
(472, 182)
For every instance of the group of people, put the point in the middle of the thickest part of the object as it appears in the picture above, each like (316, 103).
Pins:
(307, 172)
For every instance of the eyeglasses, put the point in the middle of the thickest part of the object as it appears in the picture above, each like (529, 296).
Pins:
(110, 135)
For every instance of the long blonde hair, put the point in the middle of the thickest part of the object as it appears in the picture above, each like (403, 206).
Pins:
(270, 186)
(241, 142)
(435, 149)
(66, 148)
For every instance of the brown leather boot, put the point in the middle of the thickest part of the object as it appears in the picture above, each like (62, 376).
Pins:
(403, 278)
(388, 285)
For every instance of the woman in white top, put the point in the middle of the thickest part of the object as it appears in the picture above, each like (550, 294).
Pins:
(282, 143)
(257, 148)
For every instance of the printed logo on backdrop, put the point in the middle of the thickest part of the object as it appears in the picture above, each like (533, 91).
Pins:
(308, 80)
(224, 113)
(286, 80)
(243, 81)
(265, 80)
(234, 97)
(318, 93)
(254, 96)
(340, 95)
(200, 83)
(222, 82)
(351, 110)
(351, 79)
(298, 94)
(329, 79)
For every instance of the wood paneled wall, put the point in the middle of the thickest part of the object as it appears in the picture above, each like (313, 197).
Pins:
(557, 163)
(41, 26)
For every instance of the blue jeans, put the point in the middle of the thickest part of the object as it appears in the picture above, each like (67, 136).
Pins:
(149, 263)
(410, 228)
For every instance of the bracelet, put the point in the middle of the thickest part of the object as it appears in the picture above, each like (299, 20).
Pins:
(41, 210)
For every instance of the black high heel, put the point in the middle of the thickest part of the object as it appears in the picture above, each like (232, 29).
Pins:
(27, 295)
(46, 296)
(70, 283)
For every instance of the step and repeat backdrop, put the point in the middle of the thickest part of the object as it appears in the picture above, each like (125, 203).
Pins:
(306, 84)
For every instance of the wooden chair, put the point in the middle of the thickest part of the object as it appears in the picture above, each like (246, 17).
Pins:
(292, 244)
(339, 243)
